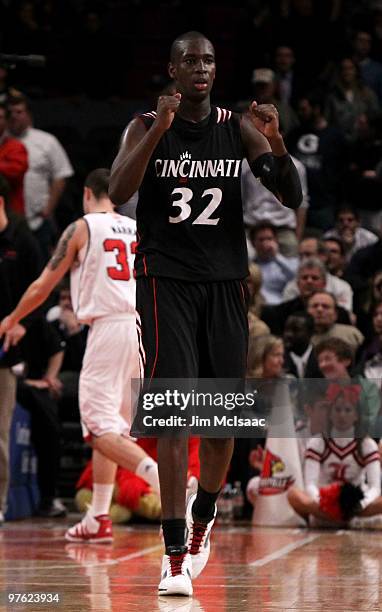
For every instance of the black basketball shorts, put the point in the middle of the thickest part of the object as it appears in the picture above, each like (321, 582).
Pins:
(192, 330)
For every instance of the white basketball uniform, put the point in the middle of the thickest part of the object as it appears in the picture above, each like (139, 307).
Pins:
(103, 296)
(338, 460)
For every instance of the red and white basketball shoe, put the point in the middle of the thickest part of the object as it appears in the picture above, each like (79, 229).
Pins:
(198, 539)
(92, 529)
(176, 572)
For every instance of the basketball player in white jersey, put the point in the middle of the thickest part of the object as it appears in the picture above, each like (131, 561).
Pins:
(99, 251)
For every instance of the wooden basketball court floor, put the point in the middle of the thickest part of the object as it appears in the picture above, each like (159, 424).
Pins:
(250, 569)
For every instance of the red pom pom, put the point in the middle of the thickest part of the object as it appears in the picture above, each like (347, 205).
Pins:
(330, 501)
(130, 490)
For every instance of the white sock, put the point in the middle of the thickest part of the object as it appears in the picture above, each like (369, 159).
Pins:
(148, 470)
(101, 500)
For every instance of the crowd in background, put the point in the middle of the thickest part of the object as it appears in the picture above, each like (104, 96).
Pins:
(103, 48)
(315, 275)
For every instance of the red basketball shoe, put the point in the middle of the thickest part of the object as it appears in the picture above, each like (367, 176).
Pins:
(92, 529)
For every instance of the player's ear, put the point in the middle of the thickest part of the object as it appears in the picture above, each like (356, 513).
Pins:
(171, 70)
(87, 193)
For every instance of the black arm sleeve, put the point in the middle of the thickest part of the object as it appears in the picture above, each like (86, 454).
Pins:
(279, 175)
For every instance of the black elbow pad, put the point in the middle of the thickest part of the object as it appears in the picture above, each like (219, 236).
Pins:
(265, 169)
(279, 175)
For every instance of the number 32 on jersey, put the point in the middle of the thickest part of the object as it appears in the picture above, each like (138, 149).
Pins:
(118, 247)
(185, 196)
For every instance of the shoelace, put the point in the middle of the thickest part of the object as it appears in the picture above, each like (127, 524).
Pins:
(198, 531)
(176, 562)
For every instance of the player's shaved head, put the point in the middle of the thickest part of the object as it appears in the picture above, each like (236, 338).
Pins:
(179, 42)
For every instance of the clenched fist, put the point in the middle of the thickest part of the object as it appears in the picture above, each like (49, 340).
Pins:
(166, 109)
(265, 118)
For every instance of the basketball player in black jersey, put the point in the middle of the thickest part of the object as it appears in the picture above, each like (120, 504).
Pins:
(191, 264)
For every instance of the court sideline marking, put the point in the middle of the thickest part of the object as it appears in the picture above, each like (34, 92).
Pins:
(285, 550)
(139, 553)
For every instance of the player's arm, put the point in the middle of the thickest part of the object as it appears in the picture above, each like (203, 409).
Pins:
(72, 239)
(267, 156)
(138, 144)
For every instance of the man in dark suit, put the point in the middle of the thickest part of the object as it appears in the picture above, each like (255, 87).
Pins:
(299, 358)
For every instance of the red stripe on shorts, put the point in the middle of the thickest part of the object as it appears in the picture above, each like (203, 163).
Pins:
(156, 328)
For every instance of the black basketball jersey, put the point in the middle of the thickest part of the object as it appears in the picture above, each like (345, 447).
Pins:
(189, 212)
